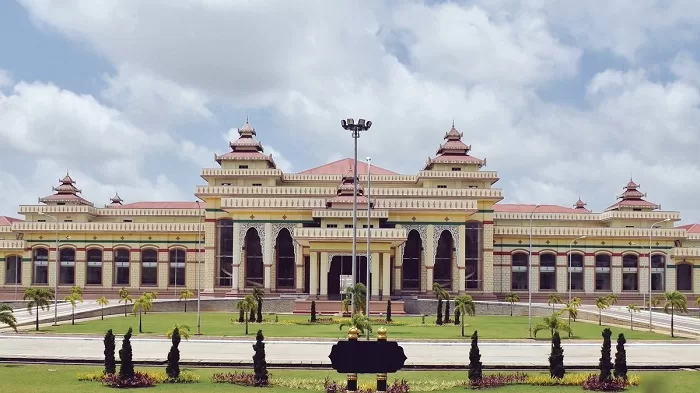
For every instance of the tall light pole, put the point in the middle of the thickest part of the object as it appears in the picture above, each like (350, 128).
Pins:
(529, 276)
(651, 232)
(369, 265)
(571, 246)
(350, 125)
(55, 280)
(199, 271)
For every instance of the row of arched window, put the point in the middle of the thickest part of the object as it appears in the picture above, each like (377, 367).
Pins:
(93, 269)
(602, 272)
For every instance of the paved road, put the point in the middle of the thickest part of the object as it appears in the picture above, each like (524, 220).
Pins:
(307, 353)
(682, 323)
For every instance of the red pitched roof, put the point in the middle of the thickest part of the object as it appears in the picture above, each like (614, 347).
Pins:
(524, 208)
(340, 167)
(159, 205)
(690, 228)
(7, 221)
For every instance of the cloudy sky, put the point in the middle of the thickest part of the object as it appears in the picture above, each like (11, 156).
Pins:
(561, 97)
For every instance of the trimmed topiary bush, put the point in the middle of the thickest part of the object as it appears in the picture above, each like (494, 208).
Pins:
(241, 316)
(475, 366)
(388, 310)
(313, 311)
(447, 312)
(621, 358)
(259, 364)
(126, 370)
(438, 320)
(605, 366)
(457, 315)
(173, 368)
(110, 347)
(556, 358)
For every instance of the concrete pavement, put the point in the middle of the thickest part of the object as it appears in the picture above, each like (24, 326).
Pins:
(315, 353)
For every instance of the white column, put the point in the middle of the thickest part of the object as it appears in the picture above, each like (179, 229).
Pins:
(237, 256)
(461, 254)
(268, 255)
(323, 274)
(299, 263)
(375, 274)
(386, 275)
(427, 286)
(313, 274)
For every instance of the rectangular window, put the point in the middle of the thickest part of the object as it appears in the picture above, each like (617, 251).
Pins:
(442, 186)
(40, 220)
(67, 274)
(243, 167)
(94, 269)
(67, 220)
(257, 184)
(225, 184)
(121, 266)
(365, 226)
(127, 220)
(454, 169)
(473, 255)
(149, 268)
(331, 225)
(348, 225)
(40, 260)
(473, 186)
(13, 270)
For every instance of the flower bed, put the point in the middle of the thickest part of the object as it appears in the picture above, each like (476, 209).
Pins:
(141, 379)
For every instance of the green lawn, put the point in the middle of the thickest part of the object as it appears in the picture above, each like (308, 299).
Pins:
(63, 379)
(219, 324)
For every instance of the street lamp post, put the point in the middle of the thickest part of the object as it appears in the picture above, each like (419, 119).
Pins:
(571, 246)
(651, 232)
(369, 264)
(350, 125)
(199, 271)
(529, 276)
(55, 280)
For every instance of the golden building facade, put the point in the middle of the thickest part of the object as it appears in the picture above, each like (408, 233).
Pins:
(291, 233)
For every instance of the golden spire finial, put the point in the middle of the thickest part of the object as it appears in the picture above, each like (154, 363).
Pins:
(381, 333)
(353, 333)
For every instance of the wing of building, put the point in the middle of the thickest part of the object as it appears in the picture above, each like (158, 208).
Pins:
(291, 233)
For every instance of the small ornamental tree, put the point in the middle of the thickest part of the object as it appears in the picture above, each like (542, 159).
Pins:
(259, 363)
(446, 319)
(621, 358)
(313, 311)
(251, 318)
(241, 316)
(438, 320)
(110, 347)
(475, 366)
(556, 358)
(126, 370)
(173, 368)
(605, 366)
(388, 310)
(457, 315)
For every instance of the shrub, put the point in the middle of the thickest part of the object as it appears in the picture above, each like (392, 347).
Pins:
(157, 377)
(137, 380)
(475, 366)
(605, 365)
(313, 311)
(110, 347)
(611, 385)
(548, 380)
(241, 316)
(457, 315)
(126, 370)
(251, 318)
(236, 378)
(93, 377)
(446, 318)
(621, 358)
(498, 380)
(396, 387)
(259, 363)
(173, 368)
(556, 358)
(438, 320)
(388, 310)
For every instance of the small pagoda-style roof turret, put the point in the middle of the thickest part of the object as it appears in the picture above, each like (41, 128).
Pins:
(116, 201)
(346, 191)
(454, 151)
(65, 193)
(581, 205)
(246, 148)
(632, 198)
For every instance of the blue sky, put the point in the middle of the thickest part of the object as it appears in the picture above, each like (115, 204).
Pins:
(561, 97)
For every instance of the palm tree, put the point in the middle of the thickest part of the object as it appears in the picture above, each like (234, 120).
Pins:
(359, 293)
(125, 298)
(553, 323)
(512, 298)
(440, 294)
(247, 304)
(697, 302)
(150, 296)
(73, 299)
(360, 321)
(184, 295)
(612, 299)
(102, 302)
(38, 298)
(76, 289)
(632, 308)
(572, 310)
(7, 317)
(602, 303)
(184, 331)
(553, 299)
(142, 304)
(259, 295)
(466, 306)
(675, 301)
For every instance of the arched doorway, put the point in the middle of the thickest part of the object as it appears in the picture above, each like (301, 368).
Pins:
(684, 277)
(342, 265)
(254, 268)
(285, 260)
(442, 271)
(411, 266)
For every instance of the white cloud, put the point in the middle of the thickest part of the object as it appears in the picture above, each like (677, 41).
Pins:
(411, 68)
(5, 78)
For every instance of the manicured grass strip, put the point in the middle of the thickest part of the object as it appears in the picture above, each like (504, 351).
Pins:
(219, 324)
(63, 379)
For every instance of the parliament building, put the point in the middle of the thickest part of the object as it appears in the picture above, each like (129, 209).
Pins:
(291, 233)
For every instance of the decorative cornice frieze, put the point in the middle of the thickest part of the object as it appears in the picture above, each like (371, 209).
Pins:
(35, 226)
(589, 232)
(427, 204)
(361, 212)
(272, 203)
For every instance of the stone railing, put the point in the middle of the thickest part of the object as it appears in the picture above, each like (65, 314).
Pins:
(693, 236)
(632, 215)
(12, 244)
(440, 192)
(346, 233)
(477, 175)
(220, 172)
(106, 227)
(66, 209)
(685, 252)
(281, 190)
(361, 212)
(606, 216)
(426, 204)
(272, 203)
(62, 209)
(589, 232)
